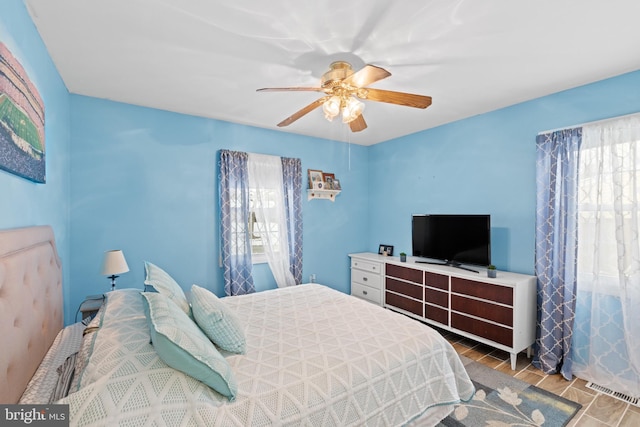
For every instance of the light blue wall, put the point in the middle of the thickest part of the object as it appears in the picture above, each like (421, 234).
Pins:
(484, 164)
(145, 181)
(22, 202)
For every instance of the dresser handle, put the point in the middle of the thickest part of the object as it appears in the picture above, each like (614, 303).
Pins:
(364, 279)
(364, 292)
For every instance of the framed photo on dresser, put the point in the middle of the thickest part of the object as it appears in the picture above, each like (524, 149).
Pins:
(386, 250)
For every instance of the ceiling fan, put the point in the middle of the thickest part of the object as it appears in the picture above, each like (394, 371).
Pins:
(342, 86)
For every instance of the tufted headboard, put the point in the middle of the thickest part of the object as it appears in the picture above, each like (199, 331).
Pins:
(30, 305)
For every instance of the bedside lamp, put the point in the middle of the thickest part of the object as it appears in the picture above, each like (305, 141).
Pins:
(114, 264)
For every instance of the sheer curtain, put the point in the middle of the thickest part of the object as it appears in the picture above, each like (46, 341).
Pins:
(556, 247)
(265, 176)
(606, 344)
(234, 212)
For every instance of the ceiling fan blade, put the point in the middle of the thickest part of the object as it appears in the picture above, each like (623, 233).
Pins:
(290, 89)
(358, 124)
(400, 98)
(295, 116)
(367, 75)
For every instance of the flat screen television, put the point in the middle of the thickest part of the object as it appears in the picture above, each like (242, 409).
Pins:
(452, 239)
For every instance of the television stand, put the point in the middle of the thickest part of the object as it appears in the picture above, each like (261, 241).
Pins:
(450, 264)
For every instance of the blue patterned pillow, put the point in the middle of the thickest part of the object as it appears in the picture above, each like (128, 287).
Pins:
(216, 320)
(163, 283)
(182, 345)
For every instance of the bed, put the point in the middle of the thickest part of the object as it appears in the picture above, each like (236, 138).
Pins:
(311, 356)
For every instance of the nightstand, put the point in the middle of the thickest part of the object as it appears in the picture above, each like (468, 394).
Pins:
(91, 305)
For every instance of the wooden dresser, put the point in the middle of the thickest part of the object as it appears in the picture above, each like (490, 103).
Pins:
(499, 312)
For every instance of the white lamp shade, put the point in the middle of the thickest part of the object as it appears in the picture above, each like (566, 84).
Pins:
(352, 110)
(331, 107)
(114, 263)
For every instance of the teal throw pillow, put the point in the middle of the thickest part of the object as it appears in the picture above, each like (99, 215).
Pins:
(217, 321)
(182, 345)
(163, 283)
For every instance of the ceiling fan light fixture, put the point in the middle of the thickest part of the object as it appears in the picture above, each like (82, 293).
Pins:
(331, 107)
(338, 71)
(352, 109)
(342, 90)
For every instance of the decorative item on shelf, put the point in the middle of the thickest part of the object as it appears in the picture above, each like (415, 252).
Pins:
(322, 185)
(491, 271)
(114, 264)
(385, 250)
(315, 178)
(403, 257)
(328, 179)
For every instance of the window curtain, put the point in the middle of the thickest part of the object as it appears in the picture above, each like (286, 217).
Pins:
(265, 176)
(292, 178)
(234, 211)
(606, 343)
(556, 247)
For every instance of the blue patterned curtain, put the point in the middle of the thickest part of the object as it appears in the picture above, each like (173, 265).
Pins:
(234, 211)
(292, 179)
(556, 247)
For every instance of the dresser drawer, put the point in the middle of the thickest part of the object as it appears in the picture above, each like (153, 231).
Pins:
(436, 281)
(490, 331)
(436, 314)
(367, 278)
(366, 292)
(485, 310)
(373, 267)
(434, 297)
(411, 305)
(409, 289)
(488, 291)
(404, 273)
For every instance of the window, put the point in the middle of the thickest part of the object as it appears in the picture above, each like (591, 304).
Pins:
(261, 217)
(599, 202)
(257, 230)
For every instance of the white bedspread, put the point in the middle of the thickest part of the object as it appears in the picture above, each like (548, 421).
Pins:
(44, 381)
(314, 357)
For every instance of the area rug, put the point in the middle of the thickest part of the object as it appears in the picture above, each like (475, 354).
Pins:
(502, 400)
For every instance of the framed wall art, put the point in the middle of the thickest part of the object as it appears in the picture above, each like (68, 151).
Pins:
(22, 147)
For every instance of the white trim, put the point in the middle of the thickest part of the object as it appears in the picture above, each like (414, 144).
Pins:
(259, 259)
(589, 123)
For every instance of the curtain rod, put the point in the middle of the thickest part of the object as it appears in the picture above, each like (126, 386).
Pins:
(589, 123)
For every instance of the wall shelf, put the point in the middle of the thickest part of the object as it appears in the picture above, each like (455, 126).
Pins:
(322, 194)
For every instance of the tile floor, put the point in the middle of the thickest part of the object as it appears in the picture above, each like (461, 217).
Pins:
(597, 409)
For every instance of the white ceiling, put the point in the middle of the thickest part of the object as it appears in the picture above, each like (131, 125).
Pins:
(208, 57)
